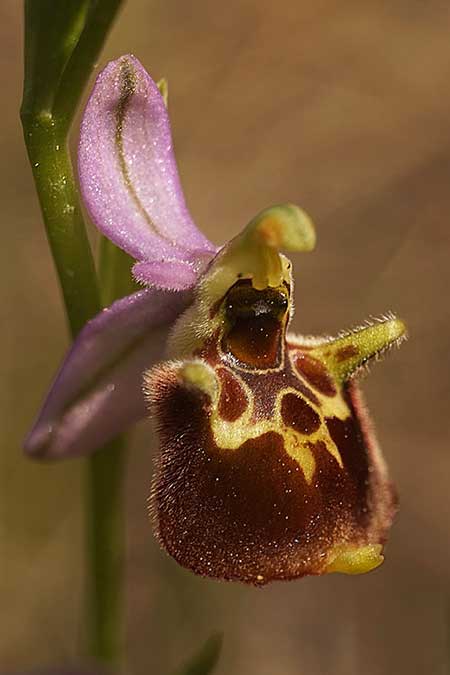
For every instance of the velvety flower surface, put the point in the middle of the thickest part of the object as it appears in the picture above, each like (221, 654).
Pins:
(268, 466)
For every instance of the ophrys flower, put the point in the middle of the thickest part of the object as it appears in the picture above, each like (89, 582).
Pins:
(268, 467)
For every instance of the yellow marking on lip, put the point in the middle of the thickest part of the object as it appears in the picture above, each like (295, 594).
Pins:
(329, 406)
(322, 434)
(231, 435)
(301, 453)
(298, 447)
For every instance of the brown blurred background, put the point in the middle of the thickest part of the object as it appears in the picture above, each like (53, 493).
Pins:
(344, 108)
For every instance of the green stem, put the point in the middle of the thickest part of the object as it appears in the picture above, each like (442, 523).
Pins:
(55, 185)
(105, 525)
(62, 42)
(115, 272)
(78, 68)
(105, 551)
(61, 210)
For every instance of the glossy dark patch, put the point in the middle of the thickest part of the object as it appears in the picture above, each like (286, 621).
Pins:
(346, 353)
(242, 300)
(233, 400)
(256, 321)
(315, 372)
(255, 341)
(299, 415)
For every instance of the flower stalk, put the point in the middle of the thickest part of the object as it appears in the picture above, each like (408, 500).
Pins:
(62, 43)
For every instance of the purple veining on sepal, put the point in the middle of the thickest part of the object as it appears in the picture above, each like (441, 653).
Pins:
(97, 392)
(128, 174)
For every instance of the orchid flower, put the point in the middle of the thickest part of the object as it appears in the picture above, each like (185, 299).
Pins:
(268, 465)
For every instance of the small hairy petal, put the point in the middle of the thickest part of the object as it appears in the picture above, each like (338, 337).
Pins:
(127, 168)
(98, 390)
(171, 275)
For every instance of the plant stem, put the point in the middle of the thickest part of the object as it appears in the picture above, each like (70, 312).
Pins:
(78, 68)
(105, 524)
(115, 272)
(58, 197)
(105, 551)
(62, 42)
(61, 210)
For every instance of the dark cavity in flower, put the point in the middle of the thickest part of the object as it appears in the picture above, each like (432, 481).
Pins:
(256, 319)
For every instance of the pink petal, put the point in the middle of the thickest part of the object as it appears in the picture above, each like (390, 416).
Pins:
(127, 168)
(98, 390)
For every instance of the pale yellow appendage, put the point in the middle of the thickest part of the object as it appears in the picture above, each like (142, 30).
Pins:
(255, 251)
(349, 559)
(200, 376)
